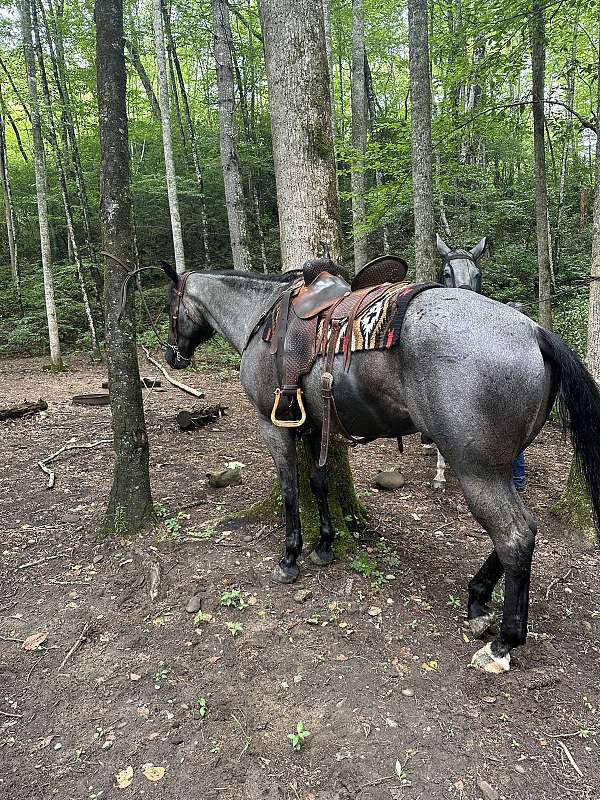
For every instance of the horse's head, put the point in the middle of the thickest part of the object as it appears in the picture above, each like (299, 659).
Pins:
(187, 325)
(460, 269)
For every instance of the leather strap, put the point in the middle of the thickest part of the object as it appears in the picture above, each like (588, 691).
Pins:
(327, 390)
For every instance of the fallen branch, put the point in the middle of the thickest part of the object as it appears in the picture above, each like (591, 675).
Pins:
(42, 560)
(76, 646)
(44, 461)
(570, 758)
(8, 714)
(556, 580)
(177, 384)
(24, 409)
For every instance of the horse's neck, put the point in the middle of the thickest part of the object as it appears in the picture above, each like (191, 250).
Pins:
(233, 304)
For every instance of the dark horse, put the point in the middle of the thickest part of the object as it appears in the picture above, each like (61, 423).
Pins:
(475, 376)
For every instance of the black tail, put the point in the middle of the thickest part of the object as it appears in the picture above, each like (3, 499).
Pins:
(578, 405)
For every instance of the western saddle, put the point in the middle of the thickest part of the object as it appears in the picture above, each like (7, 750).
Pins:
(322, 295)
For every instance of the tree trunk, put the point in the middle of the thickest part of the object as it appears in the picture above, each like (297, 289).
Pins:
(11, 223)
(193, 146)
(297, 77)
(538, 60)
(259, 227)
(234, 193)
(144, 79)
(40, 184)
(372, 106)
(172, 79)
(298, 83)
(422, 171)
(130, 501)
(359, 136)
(163, 95)
(329, 50)
(62, 181)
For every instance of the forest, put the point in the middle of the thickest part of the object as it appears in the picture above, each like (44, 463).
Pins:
(347, 548)
(483, 154)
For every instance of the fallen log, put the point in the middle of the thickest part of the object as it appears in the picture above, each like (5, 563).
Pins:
(24, 409)
(200, 417)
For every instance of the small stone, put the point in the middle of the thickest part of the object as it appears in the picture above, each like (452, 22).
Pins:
(489, 699)
(374, 611)
(248, 538)
(194, 604)
(224, 477)
(97, 559)
(388, 481)
(302, 595)
(488, 791)
(521, 770)
(408, 692)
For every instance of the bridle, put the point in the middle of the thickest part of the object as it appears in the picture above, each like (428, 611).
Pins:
(179, 358)
(458, 257)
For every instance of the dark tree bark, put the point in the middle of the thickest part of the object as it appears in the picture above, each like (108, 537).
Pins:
(422, 167)
(538, 70)
(130, 501)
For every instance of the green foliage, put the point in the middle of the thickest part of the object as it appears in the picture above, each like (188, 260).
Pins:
(298, 736)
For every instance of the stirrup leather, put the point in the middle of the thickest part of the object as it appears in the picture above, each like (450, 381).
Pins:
(288, 423)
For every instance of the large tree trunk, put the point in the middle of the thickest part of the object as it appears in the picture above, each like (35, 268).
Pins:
(11, 223)
(232, 177)
(329, 50)
(538, 63)
(359, 136)
(298, 83)
(422, 168)
(40, 184)
(62, 181)
(130, 502)
(163, 98)
(297, 76)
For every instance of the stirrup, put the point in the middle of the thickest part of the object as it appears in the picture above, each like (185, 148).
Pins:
(288, 423)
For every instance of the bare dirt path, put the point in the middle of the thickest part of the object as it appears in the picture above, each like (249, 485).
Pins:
(373, 665)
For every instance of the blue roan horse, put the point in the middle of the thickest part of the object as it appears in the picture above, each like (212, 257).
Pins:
(475, 376)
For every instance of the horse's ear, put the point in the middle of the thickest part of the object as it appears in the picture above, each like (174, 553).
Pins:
(170, 272)
(442, 247)
(479, 248)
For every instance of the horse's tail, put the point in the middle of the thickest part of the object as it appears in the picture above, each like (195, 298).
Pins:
(578, 405)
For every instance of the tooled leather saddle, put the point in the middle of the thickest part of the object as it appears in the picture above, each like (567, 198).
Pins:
(309, 318)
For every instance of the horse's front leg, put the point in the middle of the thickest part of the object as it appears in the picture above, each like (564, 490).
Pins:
(282, 446)
(439, 482)
(323, 552)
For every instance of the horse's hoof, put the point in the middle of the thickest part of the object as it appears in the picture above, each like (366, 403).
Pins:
(284, 575)
(485, 661)
(479, 625)
(439, 486)
(321, 559)
(429, 450)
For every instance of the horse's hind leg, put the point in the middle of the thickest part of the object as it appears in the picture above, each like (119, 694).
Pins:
(282, 446)
(495, 505)
(323, 552)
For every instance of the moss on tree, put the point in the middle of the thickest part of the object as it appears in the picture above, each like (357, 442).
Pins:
(574, 506)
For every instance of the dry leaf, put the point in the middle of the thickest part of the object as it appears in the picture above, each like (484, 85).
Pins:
(133, 676)
(153, 773)
(252, 600)
(124, 778)
(429, 666)
(374, 611)
(35, 640)
(459, 785)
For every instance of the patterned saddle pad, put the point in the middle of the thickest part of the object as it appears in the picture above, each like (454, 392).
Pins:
(377, 326)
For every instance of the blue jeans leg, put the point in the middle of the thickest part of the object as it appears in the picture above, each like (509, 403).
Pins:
(518, 472)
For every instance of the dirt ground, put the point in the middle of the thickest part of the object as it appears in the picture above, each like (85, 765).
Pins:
(374, 666)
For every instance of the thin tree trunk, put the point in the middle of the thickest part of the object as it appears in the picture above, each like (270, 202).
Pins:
(173, 80)
(163, 94)
(135, 59)
(422, 172)
(62, 181)
(359, 136)
(130, 502)
(234, 193)
(11, 223)
(40, 184)
(57, 60)
(193, 146)
(538, 58)
(372, 106)
(261, 233)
